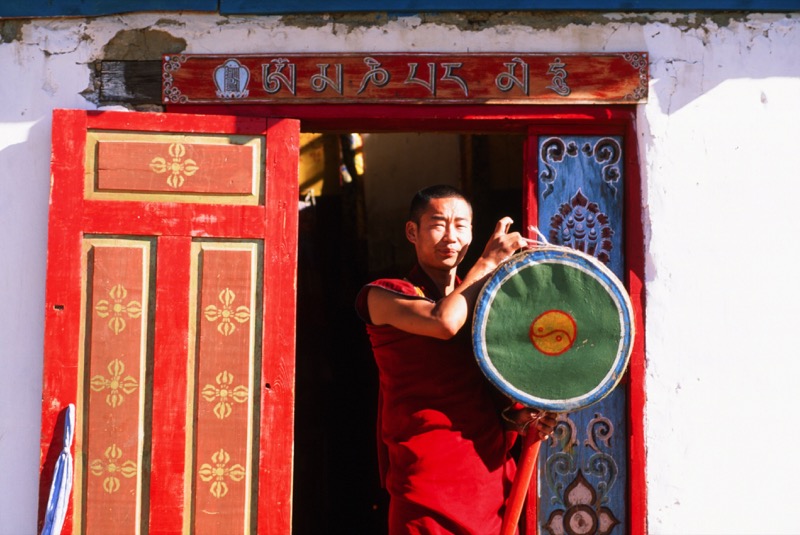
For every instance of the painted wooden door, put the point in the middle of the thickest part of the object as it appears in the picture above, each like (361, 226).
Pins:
(170, 320)
(578, 199)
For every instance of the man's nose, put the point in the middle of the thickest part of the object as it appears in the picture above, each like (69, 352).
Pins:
(450, 233)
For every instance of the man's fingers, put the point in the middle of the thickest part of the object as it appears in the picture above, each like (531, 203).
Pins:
(503, 226)
(545, 421)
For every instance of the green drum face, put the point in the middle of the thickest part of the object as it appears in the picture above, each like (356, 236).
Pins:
(553, 329)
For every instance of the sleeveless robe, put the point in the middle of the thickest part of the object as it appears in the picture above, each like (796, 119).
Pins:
(442, 447)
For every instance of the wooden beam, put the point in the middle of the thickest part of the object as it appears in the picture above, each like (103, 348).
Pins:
(133, 83)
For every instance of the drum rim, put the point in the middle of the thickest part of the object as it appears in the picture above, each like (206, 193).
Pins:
(604, 275)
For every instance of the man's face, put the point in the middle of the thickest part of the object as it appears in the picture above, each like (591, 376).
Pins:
(443, 234)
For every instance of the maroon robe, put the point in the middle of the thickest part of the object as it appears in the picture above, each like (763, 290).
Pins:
(443, 451)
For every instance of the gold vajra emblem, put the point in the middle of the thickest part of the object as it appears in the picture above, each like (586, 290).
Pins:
(218, 471)
(226, 314)
(225, 394)
(112, 468)
(116, 308)
(115, 383)
(177, 168)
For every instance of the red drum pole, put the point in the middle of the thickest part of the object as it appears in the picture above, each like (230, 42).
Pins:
(519, 488)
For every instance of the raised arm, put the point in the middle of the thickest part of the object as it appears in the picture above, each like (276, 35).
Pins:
(444, 318)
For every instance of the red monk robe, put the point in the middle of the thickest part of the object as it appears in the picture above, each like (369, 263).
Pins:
(442, 448)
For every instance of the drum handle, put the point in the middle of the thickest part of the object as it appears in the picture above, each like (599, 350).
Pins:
(522, 480)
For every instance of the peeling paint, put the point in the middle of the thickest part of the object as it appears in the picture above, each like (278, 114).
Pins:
(142, 44)
(348, 20)
(170, 22)
(554, 20)
(11, 30)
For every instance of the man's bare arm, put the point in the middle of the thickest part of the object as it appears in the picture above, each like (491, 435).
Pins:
(447, 316)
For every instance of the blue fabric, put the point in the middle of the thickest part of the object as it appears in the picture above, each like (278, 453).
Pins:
(232, 7)
(55, 8)
(94, 8)
(62, 480)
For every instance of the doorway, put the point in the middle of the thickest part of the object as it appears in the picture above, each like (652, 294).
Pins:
(336, 486)
(355, 191)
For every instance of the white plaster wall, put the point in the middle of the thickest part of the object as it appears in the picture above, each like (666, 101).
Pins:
(718, 145)
(721, 188)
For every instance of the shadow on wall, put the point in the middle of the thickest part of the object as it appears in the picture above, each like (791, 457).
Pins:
(24, 192)
(691, 57)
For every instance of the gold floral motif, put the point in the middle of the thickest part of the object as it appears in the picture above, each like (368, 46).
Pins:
(176, 168)
(113, 468)
(226, 314)
(225, 394)
(218, 471)
(116, 309)
(115, 383)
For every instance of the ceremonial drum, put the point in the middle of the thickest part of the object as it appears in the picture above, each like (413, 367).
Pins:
(553, 329)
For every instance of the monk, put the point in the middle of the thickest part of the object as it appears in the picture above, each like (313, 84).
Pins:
(444, 432)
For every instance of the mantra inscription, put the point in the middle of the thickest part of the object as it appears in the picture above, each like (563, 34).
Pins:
(420, 78)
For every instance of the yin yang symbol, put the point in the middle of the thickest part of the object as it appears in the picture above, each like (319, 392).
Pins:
(553, 332)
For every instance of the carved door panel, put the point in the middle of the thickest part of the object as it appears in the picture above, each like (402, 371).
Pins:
(170, 320)
(578, 201)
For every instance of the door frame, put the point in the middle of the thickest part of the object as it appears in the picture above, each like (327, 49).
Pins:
(519, 119)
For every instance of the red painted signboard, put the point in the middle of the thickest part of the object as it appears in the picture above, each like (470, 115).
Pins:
(405, 78)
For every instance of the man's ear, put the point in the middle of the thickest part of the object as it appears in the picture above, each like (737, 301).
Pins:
(411, 232)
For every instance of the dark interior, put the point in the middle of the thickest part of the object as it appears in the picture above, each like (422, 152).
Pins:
(336, 482)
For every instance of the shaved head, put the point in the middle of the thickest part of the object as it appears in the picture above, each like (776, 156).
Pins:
(424, 196)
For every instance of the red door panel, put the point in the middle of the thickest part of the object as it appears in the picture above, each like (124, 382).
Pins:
(170, 320)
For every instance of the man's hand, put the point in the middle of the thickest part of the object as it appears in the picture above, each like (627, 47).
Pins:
(525, 419)
(502, 244)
